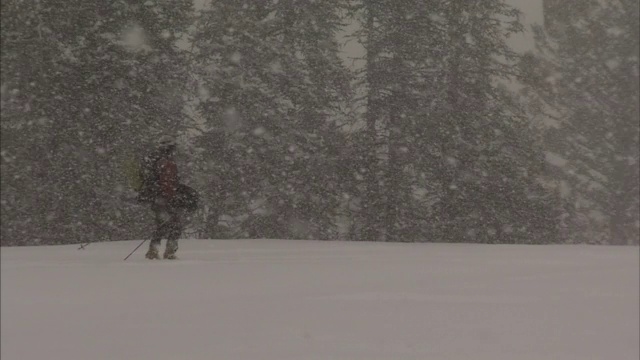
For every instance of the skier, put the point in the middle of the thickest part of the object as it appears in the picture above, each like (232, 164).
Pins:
(169, 214)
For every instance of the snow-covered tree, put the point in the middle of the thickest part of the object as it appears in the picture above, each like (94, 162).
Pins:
(271, 86)
(584, 80)
(82, 81)
(450, 155)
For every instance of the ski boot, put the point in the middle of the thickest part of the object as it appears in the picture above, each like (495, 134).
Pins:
(153, 253)
(170, 250)
(170, 255)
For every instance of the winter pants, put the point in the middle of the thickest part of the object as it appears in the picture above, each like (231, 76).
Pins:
(168, 226)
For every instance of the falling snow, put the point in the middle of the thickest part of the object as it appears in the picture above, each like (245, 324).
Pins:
(348, 124)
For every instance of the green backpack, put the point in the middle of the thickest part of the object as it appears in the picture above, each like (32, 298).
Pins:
(143, 177)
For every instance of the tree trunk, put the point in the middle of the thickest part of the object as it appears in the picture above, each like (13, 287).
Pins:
(371, 201)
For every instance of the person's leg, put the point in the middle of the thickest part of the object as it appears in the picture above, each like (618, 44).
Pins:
(173, 234)
(162, 230)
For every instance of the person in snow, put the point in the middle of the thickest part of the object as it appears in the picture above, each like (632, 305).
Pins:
(165, 205)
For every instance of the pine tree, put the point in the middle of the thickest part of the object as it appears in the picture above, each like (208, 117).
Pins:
(584, 78)
(492, 168)
(272, 79)
(451, 156)
(88, 79)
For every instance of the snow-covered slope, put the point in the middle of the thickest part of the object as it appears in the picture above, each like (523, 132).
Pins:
(279, 300)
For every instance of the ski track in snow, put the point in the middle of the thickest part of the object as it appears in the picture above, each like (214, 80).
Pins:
(287, 299)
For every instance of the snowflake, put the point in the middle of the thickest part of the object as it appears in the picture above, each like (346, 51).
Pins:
(259, 131)
(235, 57)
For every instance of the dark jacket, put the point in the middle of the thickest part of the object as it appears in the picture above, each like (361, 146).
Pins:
(168, 180)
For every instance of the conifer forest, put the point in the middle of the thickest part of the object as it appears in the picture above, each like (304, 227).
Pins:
(436, 131)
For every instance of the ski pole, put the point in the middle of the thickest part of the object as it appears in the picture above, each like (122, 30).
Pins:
(134, 250)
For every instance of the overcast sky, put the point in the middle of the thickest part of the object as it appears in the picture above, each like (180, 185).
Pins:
(532, 10)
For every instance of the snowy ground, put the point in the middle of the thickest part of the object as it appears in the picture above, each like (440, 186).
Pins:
(281, 300)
